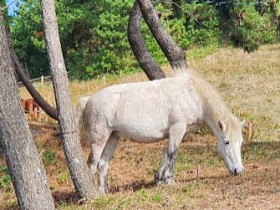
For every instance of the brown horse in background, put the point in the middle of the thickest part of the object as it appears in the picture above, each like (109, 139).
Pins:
(31, 107)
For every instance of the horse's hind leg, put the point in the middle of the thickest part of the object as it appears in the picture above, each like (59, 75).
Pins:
(103, 163)
(165, 172)
(98, 141)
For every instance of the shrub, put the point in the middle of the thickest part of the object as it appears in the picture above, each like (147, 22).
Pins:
(202, 24)
(251, 29)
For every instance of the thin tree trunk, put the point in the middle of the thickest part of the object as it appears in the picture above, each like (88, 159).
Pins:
(78, 168)
(175, 55)
(138, 46)
(22, 158)
(51, 111)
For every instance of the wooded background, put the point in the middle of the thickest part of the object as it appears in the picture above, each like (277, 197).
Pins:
(94, 41)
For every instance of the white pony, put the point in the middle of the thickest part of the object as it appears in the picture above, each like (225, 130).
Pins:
(152, 111)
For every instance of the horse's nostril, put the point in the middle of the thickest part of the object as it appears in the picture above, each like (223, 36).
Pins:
(235, 171)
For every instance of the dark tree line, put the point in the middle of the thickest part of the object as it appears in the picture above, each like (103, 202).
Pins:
(94, 33)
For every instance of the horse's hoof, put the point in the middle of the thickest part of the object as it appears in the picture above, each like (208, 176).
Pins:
(103, 189)
(168, 181)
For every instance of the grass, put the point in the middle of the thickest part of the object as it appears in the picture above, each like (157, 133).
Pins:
(249, 85)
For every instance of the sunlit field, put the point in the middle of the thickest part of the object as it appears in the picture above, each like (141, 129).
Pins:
(249, 83)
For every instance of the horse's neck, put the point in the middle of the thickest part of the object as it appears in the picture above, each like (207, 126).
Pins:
(214, 108)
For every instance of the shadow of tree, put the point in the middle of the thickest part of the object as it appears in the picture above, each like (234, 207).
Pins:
(65, 198)
(134, 186)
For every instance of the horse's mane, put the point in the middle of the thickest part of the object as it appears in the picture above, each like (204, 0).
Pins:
(215, 104)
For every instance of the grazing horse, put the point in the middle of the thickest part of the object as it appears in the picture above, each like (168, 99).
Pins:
(31, 107)
(152, 111)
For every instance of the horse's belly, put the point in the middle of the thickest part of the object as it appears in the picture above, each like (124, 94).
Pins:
(145, 133)
(144, 138)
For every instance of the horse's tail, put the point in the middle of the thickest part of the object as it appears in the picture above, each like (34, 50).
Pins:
(80, 111)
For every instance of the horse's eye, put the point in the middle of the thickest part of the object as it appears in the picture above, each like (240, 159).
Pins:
(226, 142)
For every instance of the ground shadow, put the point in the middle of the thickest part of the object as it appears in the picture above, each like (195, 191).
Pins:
(134, 186)
(62, 198)
(12, 207)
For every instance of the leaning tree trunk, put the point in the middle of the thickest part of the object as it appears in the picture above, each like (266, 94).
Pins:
(175, 55)
(22, 158)
(51, 111)
(138, 46)
(78, 168)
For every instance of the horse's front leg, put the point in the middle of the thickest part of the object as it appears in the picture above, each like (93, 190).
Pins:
(165, 173)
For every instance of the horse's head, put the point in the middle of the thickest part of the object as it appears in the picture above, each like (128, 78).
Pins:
(229, 144)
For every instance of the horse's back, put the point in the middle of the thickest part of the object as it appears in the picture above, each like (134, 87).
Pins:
(144, 110)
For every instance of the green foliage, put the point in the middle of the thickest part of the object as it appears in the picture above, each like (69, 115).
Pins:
(250, 28)
(63, 177)
(110, 46)
(48, 158)
(202, 21)
(104, 202)
(5, 179)
(28, 38)
(94, 41)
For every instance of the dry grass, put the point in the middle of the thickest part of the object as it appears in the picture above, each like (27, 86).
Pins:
(250, 87)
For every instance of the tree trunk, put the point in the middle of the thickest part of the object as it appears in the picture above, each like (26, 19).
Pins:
(78, 168)
(51, 111)
(28, 176)
(138, 46)
(175, 55)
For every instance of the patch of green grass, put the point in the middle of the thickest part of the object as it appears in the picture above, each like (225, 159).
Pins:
(5, 180)
(201, 52)
(156, 197)
(103, 202)
(63, 177)
(184, 162)
(204, 130)
(10, 203)
(256, 151)
(251, 117)
(188, 190)
(148, 196)
(49, 157)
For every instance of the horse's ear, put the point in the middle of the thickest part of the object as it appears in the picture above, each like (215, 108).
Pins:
(222, 125)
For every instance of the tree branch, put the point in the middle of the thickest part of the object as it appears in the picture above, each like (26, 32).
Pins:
(51, 111)
(175, 55)
(138, 46)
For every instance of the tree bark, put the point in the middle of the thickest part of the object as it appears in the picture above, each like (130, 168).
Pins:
(78, 168)
(138, 46)
(28, 176)
(175, 55)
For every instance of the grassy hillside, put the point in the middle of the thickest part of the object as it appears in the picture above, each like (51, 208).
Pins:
(250, 86)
